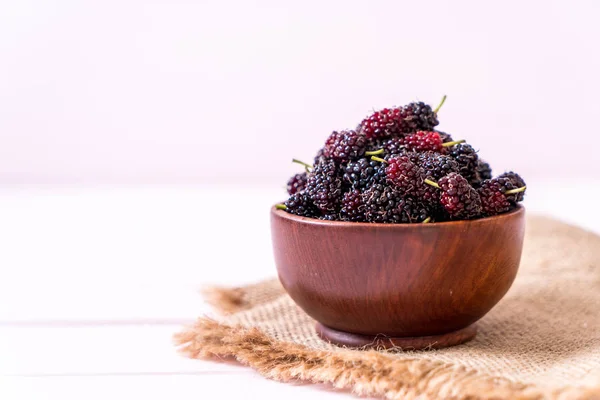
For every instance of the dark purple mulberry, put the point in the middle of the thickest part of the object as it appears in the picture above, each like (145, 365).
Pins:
(459, 198)
(407, 177)
(383, 204)
(404, 175)
(324, 186)
(363, 172)
(345, 145)
(352, 206)
(297, 183)
(436, 165)
(394, 146)
(484, 171)
(399, 121)
(518, 182)
(493, 198)
(300, 204)
(466, 157)
(424, 141)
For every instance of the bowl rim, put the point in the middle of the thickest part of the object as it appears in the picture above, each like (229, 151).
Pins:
(518, 210)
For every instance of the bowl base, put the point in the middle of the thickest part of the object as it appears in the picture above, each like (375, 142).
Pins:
(355, 340)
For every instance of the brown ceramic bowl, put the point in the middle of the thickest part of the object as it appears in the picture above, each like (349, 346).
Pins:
(406, 285)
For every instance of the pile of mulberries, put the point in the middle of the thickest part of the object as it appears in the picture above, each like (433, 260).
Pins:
(396, 167)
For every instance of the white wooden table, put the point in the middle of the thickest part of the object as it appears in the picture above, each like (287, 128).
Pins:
(96, 280)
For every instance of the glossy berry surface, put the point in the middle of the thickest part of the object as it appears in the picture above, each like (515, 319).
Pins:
(458, 197)
(394, 146)
(518, 182)
(297, 183)
(484, 170)
(467, 158)
(324, 186)
(399, 121)
(396, 167)
(404, 175)
(414, 211)
(352, 206)
(493, 199)
(424, 141)
(384, 204)
(436, 165)
(363, 172)
(381, 204)
(300, 204)
(345, 145)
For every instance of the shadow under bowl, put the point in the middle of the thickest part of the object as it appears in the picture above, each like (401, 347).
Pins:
(412, 286)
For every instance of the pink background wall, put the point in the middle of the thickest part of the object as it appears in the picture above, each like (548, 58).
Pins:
(210, 91)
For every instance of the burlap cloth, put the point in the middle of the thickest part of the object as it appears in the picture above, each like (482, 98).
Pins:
(541, 341)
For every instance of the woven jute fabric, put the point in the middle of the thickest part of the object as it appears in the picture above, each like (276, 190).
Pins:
(541, 341)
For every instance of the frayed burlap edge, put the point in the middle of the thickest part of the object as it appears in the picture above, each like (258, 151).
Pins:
(227, 301)
(232, 300)
(368, 373)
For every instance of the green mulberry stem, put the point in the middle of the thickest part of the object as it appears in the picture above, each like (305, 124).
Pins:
(440, 105)
(518, 190)
(374, 153)
(432, 183)
(308, 167)
(378, 159)
(448, 144)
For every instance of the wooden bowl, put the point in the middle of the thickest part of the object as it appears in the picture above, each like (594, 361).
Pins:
(397, 285)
